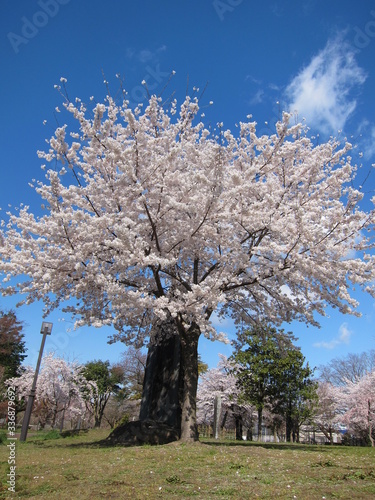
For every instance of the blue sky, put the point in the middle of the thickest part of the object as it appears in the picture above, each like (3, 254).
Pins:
(314, 57)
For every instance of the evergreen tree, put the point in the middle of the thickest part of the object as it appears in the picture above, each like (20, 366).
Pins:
(12, 345)
(294, 391)
(12, 353)
(270, 370)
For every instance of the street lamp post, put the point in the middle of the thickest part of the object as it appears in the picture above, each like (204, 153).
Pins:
(45, 330)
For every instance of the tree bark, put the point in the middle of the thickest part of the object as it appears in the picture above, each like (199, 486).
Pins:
(370, 424)
(168, 406)
(249, 434)
(62, 420)
(217, 415)
(288, 426)
(238, 420)
(260, 414)
(98, 409)
(161, 395)
(189, 370)
(224, 420)
(327, 433)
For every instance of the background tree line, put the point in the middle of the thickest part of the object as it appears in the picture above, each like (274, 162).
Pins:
(265, 383)
(268, 383)
(69, 393)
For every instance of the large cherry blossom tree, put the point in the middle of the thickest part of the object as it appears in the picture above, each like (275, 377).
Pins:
(149, 217)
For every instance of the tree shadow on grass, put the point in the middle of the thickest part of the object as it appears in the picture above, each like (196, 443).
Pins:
(46, 443)
(54, 437)
(104, 443)
(107, 443)
(271, 446)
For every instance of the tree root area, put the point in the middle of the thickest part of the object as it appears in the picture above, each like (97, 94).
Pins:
(143, 432)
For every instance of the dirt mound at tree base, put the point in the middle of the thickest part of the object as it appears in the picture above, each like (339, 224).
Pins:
(143, 432)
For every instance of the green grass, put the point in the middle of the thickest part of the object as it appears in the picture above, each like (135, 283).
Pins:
(77, 466)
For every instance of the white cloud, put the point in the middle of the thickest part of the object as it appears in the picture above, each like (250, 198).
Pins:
(345, 334)
(366, 131)
(370, 144)
(323, 91)
(257, 97)
(252, 79)
(273, 86)
(342, 338)
(162, 48)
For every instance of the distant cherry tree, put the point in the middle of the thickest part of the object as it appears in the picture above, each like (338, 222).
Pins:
(58, 393)
(358, 401)
(133, 363)
(151, 217)
(327, 410)
(215, 382)
(220, 382)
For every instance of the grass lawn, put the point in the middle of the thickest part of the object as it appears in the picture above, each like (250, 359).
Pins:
(76, 467)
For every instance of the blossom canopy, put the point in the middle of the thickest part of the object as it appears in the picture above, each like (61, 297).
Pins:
(149, 215)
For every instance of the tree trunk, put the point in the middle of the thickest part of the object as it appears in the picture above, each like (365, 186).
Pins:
(249, 434)
(98, 413)
(54, 416)
(163, 383)
(370, 424)
(217, 415)
(327, 434)
(78, 426)
(224, 420)
(289, 422)
(260, 414)
(189, 371)
(288, 427)
(62, 420)
(168, 406)
(238, 420)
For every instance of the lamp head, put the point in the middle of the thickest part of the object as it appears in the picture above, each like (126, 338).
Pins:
(46, 328)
